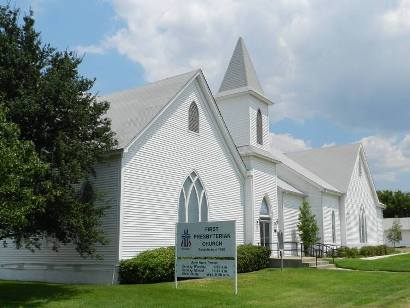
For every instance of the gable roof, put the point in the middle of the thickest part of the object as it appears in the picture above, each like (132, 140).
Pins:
(240, 72)
(306, 173)
(132, 110)
(333, 164)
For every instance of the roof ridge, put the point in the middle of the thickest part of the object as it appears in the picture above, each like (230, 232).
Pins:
(324, 148)
(151, 83)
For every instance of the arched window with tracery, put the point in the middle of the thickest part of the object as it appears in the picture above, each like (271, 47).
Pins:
(193, 204)
(193, 118)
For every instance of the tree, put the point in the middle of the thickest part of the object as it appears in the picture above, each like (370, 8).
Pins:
(394, 233)
(54, 108)
(397, 203)
(307, 226)
(22, 193)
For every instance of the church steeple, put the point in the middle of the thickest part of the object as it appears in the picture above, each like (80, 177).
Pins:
(240, 73)
(242, 102)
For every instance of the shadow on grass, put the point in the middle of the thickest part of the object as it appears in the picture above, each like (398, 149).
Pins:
(14, 294)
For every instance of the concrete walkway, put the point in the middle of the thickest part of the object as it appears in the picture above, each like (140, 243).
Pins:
(385, 256)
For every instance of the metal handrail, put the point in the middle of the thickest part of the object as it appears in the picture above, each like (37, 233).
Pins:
(318, 250)
(274, 246)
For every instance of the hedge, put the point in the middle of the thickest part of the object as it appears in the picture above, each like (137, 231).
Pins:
(252, 258)
(157, 265)
(365, 251)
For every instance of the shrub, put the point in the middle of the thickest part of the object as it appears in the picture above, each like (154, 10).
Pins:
(158, 265)
(149, 266)
(252, 258)
(380, 250)
(346, 252)
(364, 251)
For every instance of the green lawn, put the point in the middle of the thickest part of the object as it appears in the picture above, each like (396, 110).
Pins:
(392, 264)
(270, 287)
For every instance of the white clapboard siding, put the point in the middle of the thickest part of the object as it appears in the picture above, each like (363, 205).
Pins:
(313, 193)
(360, 193)
(156, 166)
(380, 226)
(264, 186)
(254, 105)
(330, 204)
(291, 205)
(66, 261)
(239, 113)
(235, 112)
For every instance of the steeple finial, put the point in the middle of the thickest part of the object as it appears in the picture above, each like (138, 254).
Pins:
(240, 72)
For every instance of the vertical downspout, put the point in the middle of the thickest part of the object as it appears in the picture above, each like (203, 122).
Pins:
(119, 221)
(342, 208)
(248, 210)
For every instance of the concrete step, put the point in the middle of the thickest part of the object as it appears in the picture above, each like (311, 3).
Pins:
(326, 266)
(309, 259)
(313, 263)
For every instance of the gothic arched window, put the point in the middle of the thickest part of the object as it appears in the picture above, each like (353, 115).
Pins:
(362, 226)
(333, 227)
(264, 208)
(193, 118)
(193, 204)
(259, 127)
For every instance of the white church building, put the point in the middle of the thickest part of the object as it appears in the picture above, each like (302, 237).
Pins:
(188, 155)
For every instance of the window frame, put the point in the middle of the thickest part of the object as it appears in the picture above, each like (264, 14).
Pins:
(362, 226)
(193, 118)
(259, 127)
(190, 186)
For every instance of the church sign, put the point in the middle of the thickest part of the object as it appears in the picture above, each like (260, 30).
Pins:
(206, 250)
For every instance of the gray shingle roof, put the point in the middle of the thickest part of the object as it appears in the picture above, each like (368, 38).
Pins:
(132, 110)
(305, 172)
(240, 72)
(333, 164)
(286, 186)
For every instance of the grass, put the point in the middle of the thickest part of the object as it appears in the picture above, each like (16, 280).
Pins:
(391, 264)
(269, 287)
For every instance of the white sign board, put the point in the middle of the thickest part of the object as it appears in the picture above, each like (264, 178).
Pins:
(206, 249)
(206, 239)
(211, 268)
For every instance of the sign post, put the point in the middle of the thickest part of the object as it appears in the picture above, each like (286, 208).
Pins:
(206, 249)
(281, 248)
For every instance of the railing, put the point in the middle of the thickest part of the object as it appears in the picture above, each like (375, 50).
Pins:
(293, 248)
(318, 250)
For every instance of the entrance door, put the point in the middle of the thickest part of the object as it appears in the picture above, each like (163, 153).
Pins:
(264, 227)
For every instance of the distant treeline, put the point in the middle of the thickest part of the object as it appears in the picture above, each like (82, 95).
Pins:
(397, 203)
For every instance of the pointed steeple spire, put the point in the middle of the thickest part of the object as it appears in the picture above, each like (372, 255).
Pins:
(240, 72)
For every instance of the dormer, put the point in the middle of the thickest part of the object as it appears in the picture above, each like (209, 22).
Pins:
(242, 101)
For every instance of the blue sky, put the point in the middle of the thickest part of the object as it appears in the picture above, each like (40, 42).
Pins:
(337, 71)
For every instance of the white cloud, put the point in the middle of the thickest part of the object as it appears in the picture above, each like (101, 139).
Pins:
(397, 20)
(286, 143)
(91, 49)
(389, 158)
(327, 145)
(330, 58)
